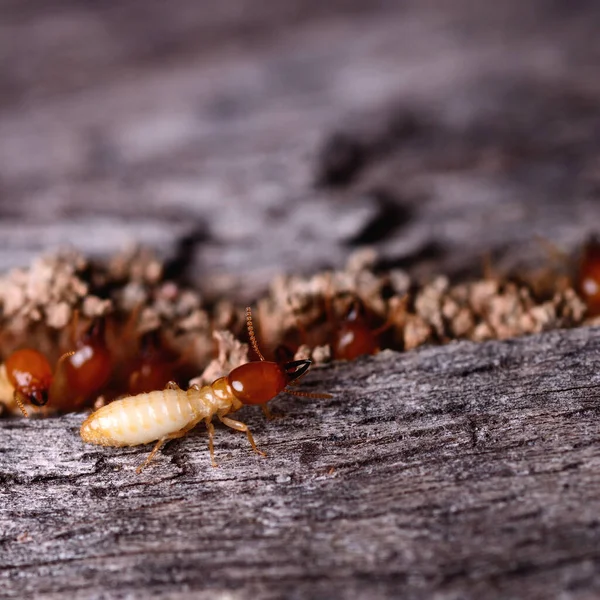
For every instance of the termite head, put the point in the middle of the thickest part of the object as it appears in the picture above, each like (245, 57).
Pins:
(30, 374)
(82, 372)
(353, 337)
(588, 277)
(153, 367)
(260, 381)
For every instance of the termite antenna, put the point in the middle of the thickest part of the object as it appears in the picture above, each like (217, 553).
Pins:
(251, 333)
(19, 400)
(308, 394)
(62, 359)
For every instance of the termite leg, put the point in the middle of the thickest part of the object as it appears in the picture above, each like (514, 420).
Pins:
(239, 426)
(159, 445)
(172, 385)
(402, 304)
(269, 415)
(266, 412)
(211, 436)
(18, 398)
(156, 448)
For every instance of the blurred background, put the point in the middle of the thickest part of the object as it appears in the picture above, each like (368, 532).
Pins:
(243, 138)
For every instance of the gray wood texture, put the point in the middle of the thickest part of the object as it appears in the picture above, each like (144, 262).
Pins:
(254, 138)
(466, 471)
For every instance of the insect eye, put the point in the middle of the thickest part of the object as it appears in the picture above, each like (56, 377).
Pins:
(39, 397)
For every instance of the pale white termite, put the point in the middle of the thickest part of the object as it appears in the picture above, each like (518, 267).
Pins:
(170, 413)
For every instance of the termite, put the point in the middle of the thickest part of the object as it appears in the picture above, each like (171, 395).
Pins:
(588, 276)
(584, 272)
(29, 374)
(353, 337)
(154, 366)
(170, 413)
(82, 373)
(350, 336)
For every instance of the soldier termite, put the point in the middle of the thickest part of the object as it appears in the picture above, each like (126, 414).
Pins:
(172, 412)
(353, 337)
(83, 371)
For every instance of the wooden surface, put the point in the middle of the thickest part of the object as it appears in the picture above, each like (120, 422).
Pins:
(254, 138)
(462, 471)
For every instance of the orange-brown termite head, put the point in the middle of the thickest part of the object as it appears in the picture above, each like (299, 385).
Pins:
(82, 372)
(260, 381)
(153, 368)
(353, 337)
(30, 374)
(588, 277)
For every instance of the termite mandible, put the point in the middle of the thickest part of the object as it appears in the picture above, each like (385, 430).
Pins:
(170, 413)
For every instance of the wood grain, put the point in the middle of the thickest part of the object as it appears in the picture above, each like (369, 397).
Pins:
(461, 471)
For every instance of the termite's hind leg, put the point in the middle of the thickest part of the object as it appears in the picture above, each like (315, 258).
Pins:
(159, 445)
(211, 437)
(239, 426)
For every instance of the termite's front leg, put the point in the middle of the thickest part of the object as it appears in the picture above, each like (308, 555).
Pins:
(239, 426)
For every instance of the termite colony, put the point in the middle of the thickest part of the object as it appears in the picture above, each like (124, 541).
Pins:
(77, 335)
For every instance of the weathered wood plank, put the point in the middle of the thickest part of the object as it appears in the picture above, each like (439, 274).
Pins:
(461, 471)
